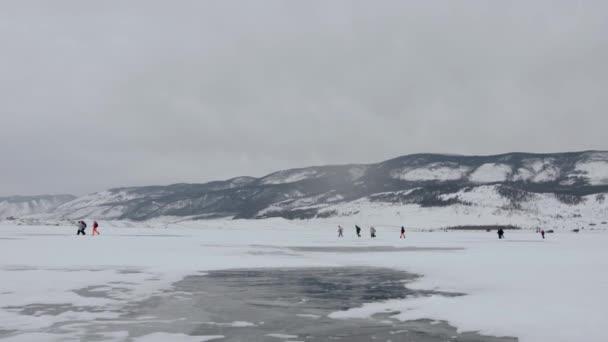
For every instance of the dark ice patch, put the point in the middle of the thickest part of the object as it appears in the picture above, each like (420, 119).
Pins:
(371, 249)
(294, 302)
(112, 292)
(51, 309)
(6, 332)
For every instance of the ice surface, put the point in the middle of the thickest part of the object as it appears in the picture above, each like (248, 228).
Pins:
(282, 336)
(164, 337)
(53, 282)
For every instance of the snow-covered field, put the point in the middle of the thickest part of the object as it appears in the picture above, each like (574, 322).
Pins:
(536, 290)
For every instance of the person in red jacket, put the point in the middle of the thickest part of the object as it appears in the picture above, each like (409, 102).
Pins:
(95, 226)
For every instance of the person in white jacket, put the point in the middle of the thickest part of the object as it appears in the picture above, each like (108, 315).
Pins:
(81, 227)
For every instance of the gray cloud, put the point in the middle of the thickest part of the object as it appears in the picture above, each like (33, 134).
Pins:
(112, 93)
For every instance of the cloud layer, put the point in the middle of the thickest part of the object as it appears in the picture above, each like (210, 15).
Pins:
(111, 93)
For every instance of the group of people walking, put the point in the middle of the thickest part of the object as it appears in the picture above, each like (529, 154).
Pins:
(501, 232)
(82, 226)
(372, 232)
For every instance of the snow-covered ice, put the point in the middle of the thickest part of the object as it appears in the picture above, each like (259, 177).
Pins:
(163, 337)
(537, 290)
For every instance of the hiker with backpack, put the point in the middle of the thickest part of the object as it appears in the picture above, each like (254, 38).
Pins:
(81, 227)
(501, 233)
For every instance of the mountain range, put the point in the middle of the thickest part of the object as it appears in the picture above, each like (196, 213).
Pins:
(506, 183)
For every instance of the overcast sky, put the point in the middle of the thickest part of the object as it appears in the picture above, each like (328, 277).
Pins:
(99, 94)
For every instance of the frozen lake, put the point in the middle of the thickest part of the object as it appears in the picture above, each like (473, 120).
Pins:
(267, 282)
(259, 305)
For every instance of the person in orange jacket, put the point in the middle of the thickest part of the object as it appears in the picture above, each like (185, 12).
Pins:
(95, 226)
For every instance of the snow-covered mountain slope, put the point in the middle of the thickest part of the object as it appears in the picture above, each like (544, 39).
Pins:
(518, 182)
(18, 206)
(483, 205)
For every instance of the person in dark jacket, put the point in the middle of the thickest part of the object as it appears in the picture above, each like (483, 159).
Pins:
(358, 230)
(402, 236)
(542, 233)
(81, 227)
(501, 233)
